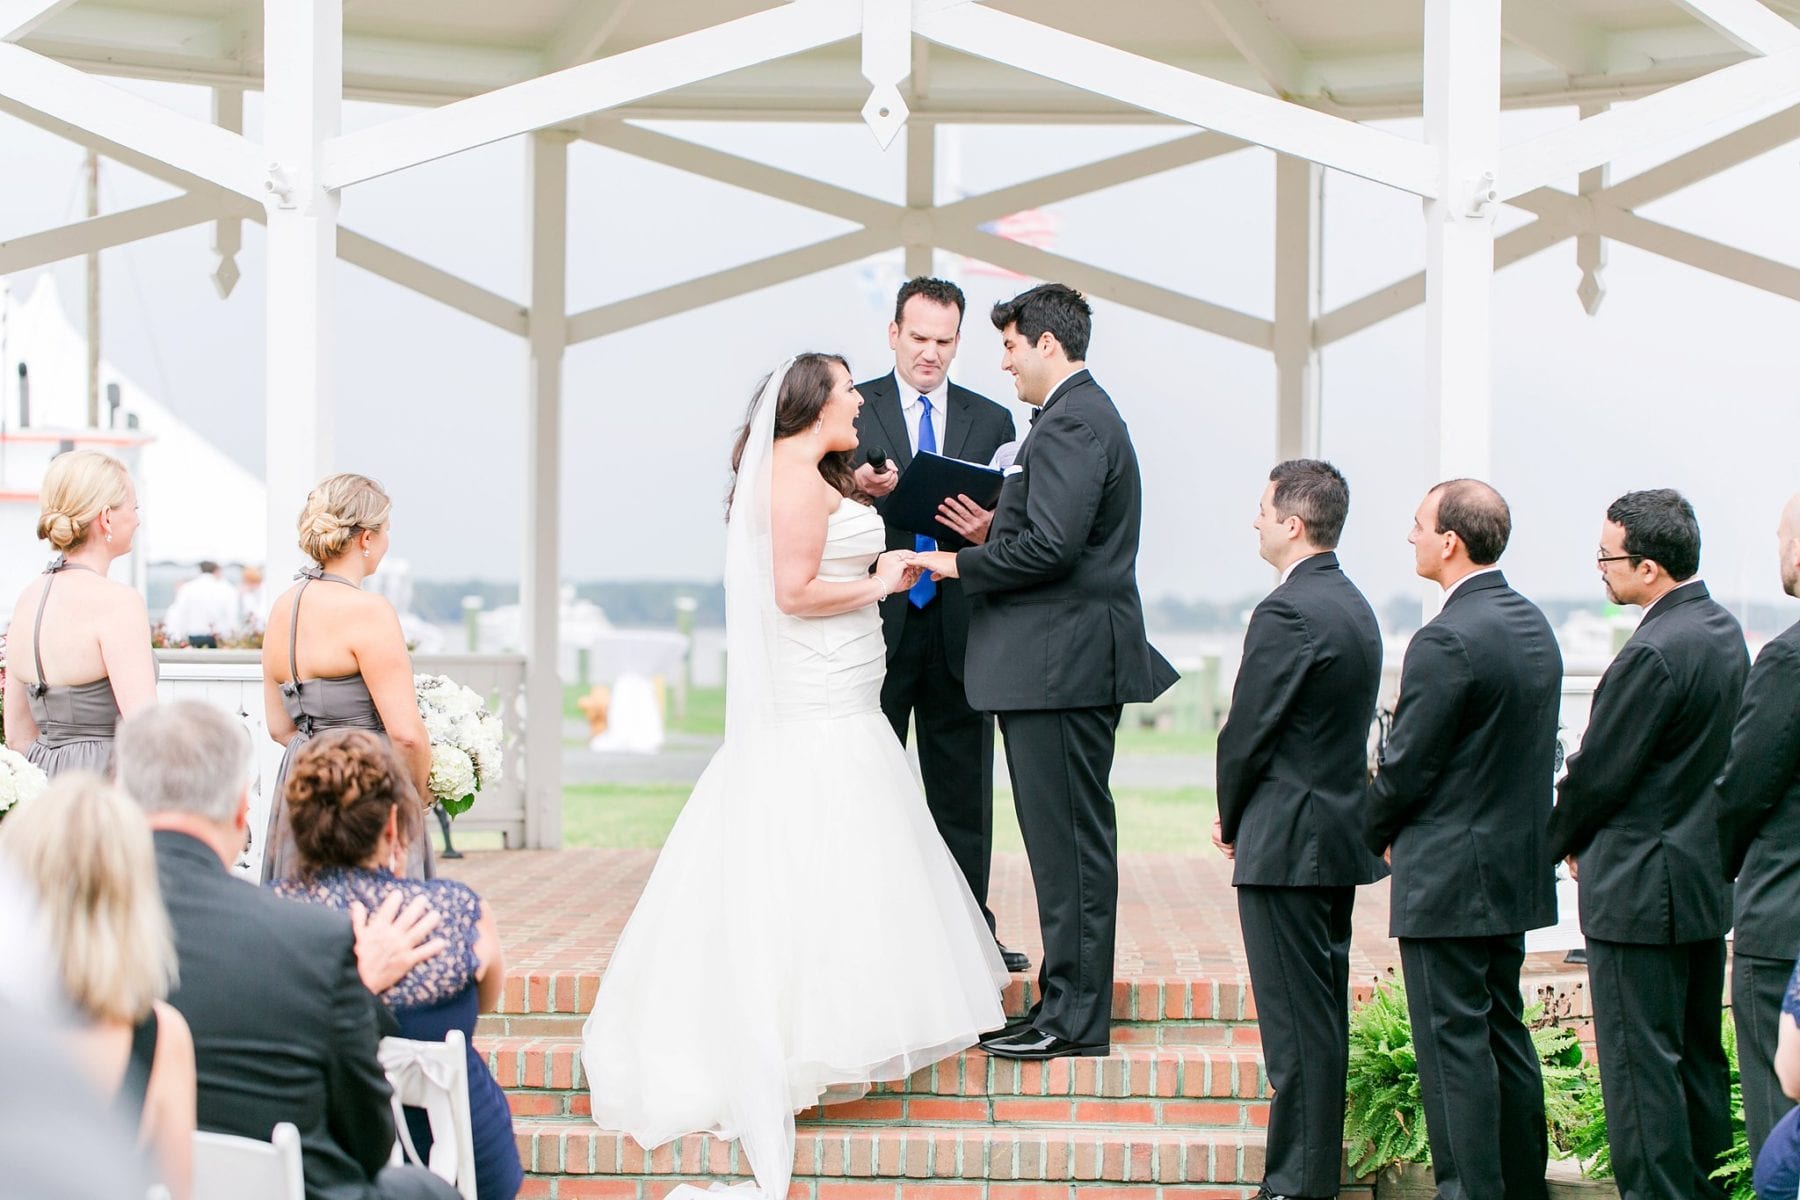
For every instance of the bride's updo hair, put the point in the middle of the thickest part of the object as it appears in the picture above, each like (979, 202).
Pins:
(341, 507)
(340, 790)
(803, 395)
(78, 487)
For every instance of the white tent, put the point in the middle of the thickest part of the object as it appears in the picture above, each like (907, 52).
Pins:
(1296, 76)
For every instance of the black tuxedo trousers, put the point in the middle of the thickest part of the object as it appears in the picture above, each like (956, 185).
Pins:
(1060, 761)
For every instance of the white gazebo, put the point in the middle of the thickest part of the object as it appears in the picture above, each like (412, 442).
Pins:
(1295, 76)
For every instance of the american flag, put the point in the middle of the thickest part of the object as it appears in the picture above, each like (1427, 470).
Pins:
(1031, 227)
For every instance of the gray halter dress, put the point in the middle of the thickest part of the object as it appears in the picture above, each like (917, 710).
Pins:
(315, 705)
(76, 722)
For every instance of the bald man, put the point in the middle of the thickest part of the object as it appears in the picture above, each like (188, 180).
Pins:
(1461, 805)
(1759, 808)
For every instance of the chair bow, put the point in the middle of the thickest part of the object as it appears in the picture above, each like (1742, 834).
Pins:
(423, 1077)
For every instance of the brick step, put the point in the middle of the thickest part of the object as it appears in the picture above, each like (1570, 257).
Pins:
(656, 1187)
(1189, 1086)
(1049, 1158)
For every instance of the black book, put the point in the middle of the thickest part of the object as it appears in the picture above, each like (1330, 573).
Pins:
(930, 480)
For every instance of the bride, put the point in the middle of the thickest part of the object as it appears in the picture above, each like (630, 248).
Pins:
(805, 928)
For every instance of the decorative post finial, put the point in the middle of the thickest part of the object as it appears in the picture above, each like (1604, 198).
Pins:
(886, 60)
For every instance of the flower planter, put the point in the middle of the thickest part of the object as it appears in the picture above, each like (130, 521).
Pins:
(1405, 1181)
(1564, 1181)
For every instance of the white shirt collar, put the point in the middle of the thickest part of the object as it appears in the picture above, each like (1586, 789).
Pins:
(1074, 372)
(909, 399)
(1451, 590)
(1288, 572)
(1670, 592)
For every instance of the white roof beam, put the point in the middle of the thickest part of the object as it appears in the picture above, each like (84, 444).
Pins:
(1739, 146)
(431, 282)
(115, 229)
(1545, 28)
(1159, 88)
(1715, 258)
(1746, 23)
(586, 33)
(1090, 177)
(593, 87)
(20, 17)
(1110, 285)
(1668, 115)
(196, 147)
(734, 281)
(1265, 47)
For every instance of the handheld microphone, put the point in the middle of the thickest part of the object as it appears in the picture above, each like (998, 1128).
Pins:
(878, 460)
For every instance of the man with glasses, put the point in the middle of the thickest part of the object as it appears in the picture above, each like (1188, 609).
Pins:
(1460, 806)
(1640, 828)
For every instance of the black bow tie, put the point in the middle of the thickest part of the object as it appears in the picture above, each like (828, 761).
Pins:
(1035, 414)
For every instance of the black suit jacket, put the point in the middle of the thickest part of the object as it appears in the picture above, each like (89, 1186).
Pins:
(1635, 806)
(1293, 755)
(284, 1029)
(1463, 791)
(1056, 620)
(1758, 794)
(977, 427)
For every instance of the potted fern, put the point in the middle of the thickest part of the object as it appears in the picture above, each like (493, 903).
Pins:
(1384, 1117)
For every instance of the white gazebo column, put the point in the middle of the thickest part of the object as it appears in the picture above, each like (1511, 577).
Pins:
(303, 85)
(1462, 124)
(1299, 219)
(539, 591)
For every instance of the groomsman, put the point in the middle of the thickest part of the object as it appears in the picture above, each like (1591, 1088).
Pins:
(1635, 818)
(914, 408)
(1056, 647)
(1292, 767)
(1758, 794)
(1460, 806)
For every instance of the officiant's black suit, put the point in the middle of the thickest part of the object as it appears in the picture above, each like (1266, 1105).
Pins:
(1292, 768)
(1463, 798)
(1056, 646)
(1637, 810)
(925, 646)
(1758, 794)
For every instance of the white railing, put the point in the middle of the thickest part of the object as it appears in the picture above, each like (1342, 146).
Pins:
(233, 680)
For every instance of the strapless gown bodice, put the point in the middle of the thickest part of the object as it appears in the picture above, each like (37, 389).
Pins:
(833, 666)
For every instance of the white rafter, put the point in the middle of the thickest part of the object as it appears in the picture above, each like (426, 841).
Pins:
(593, 87)
(1265, 47)
(1749, 25)
(586, 32)
(114, 229)
(19, 17)
(1546, 28)
(432, 282)
(1159, 88)
(1667, 116)
(1089, 177)
(196, 147)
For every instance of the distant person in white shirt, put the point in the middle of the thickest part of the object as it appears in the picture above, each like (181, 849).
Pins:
(205, 608)
(253, 599)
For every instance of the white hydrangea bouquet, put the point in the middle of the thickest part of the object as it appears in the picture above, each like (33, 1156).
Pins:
(19, 779)
(467, 741)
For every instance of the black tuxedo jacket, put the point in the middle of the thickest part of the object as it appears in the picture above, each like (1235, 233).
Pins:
(977, 427)
(1055, 619)
(1635, 806)
(1758, 795)
(1293, 755)
(1463, 791)
(284, 1029)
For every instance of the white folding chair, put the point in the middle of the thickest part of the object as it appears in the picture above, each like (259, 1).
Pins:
(238, 1168)
(434, 1076)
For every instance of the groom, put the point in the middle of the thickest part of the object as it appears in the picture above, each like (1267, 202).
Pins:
(1056, 647)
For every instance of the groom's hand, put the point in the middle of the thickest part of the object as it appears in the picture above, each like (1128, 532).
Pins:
(941, 563)
(966, 517)
(1225, 847)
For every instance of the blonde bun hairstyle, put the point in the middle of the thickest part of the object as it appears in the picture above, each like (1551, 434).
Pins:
(341, 507)
(78, 487)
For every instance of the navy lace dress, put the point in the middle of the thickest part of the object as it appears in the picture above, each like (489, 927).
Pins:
(435, 997)
(1778, 1162)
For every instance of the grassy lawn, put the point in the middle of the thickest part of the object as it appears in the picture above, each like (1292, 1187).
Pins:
(1161, 820)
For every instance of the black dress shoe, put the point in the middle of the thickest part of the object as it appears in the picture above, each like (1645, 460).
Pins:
(1263, 1193)
(1032, 1044)
(1016, 962)
(1012, 1028)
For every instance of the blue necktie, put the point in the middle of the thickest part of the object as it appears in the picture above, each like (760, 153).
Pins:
(926, 588)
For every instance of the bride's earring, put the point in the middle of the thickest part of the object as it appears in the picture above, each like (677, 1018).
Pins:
(818, 425)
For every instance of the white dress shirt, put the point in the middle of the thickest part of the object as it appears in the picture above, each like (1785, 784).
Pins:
(911, 409)
(1451, 590)
(204, 605)
(1288, 571)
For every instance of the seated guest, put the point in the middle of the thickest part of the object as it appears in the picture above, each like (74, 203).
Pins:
(1778, 1161)
(86, 850)
(284, 1027)
(352, 812)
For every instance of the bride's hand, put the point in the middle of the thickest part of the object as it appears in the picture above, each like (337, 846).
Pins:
(896, 571)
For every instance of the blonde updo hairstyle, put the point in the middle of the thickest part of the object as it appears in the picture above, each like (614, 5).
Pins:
(341, 507)
(78, 487)
(86, 849)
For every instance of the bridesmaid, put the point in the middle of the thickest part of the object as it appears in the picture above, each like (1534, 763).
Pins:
(334, 658)
(80, 654)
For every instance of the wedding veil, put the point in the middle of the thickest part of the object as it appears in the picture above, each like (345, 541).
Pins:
(750, 612)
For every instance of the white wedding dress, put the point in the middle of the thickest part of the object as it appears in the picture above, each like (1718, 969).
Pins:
(805, 927)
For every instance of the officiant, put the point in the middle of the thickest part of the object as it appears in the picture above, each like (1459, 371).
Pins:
(916, 408)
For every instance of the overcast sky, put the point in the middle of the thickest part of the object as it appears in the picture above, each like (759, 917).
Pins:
(1683, 379)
